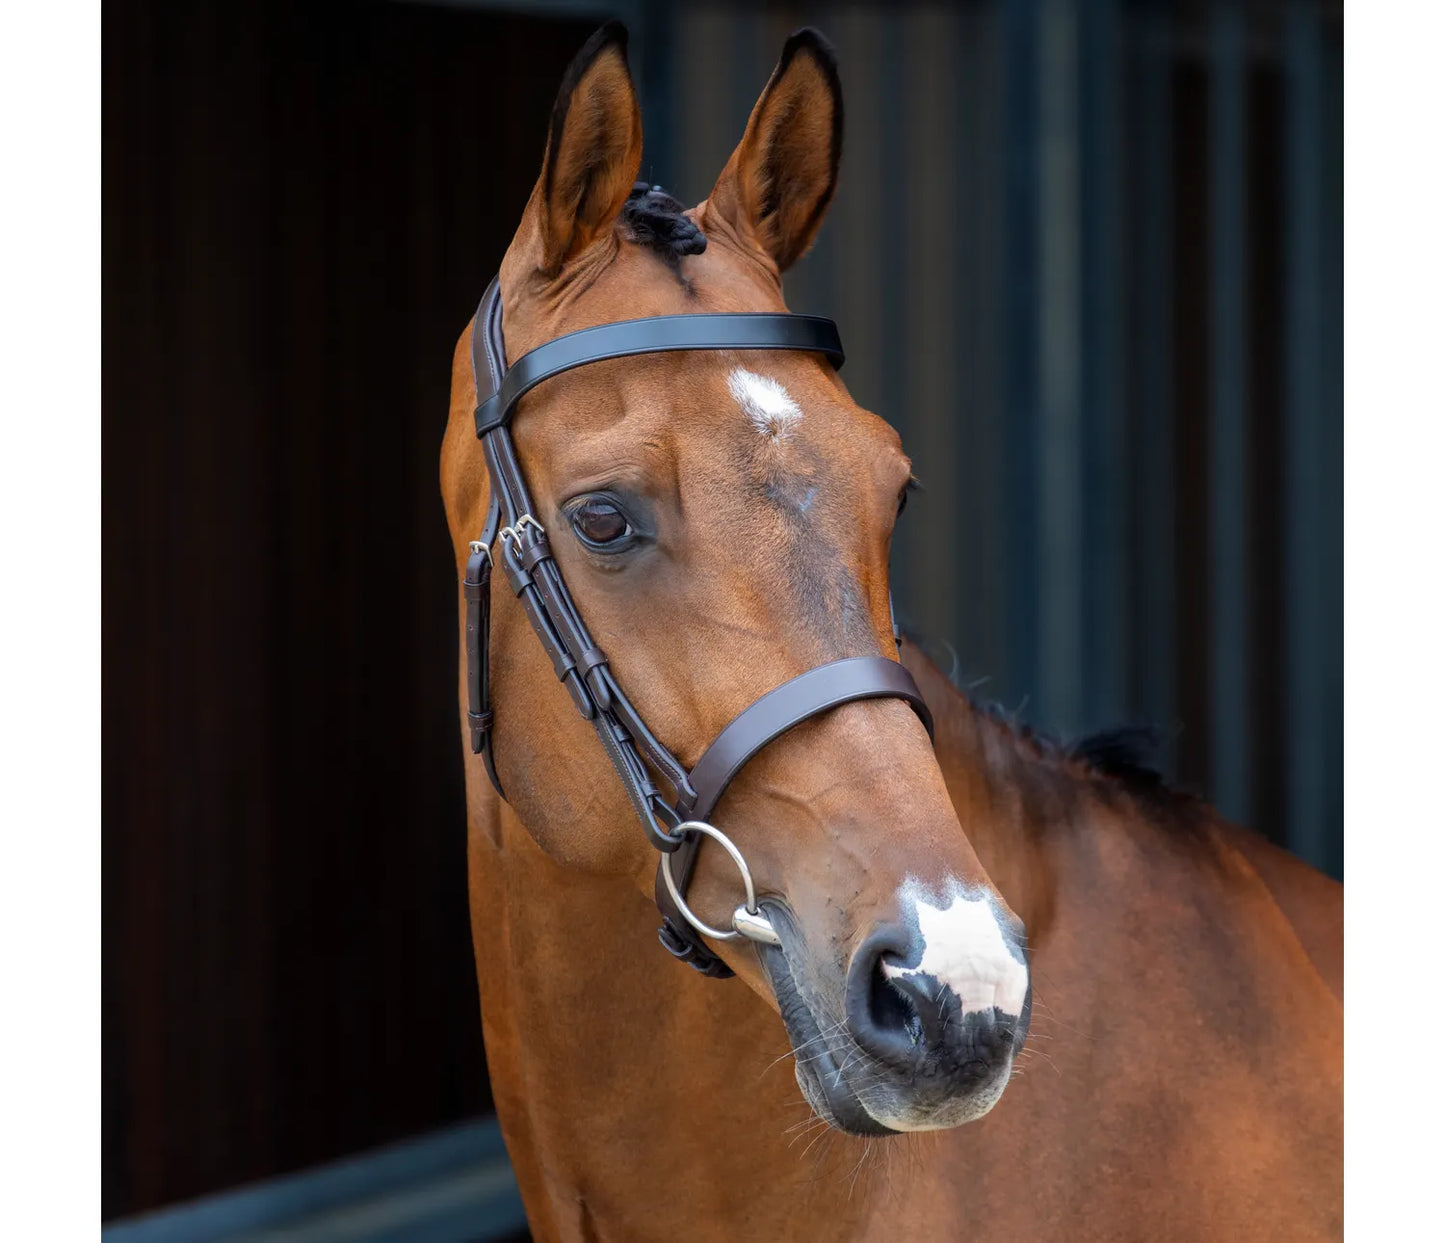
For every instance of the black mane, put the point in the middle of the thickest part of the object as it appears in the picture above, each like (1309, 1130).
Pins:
(1129, 752)
(1126, 757)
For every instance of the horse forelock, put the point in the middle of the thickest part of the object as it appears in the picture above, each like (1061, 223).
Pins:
(656, 221)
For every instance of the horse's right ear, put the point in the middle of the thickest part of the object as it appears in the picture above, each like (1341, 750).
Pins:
(594, 149)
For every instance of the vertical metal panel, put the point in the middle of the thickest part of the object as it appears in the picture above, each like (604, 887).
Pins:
(746, 73)
(1060, 448)
(1313, 456)
(888, 254)
(1189, 412)
(1019, 281)
(1148, 256)
(1264, 258)
(1229, 557)
(1107, 637)
(771, 32)
(978, 204)
(926, 236)
(654, 40)
(707, 130)
(1329, 515)
(857, 214)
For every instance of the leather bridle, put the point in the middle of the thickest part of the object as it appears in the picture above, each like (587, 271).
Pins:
(675, 825)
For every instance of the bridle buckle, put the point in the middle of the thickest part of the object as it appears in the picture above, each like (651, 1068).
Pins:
(514, 532)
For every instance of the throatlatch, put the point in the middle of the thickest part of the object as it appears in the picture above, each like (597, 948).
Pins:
(676, 824)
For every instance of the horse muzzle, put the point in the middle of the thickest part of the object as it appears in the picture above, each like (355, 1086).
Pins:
(927, 1036)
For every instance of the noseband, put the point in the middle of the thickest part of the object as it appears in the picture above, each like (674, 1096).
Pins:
(675, 826)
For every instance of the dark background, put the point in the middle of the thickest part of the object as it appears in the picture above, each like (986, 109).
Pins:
(1087, 257)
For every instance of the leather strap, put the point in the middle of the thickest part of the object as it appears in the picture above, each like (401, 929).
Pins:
(797, 700)
(525, 555)
(659, 335)
(805, 696)
(477, 588)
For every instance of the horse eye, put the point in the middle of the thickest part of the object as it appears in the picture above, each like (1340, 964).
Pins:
(600, 523)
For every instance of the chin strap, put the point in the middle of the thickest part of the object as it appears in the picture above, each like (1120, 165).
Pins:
(675, 824)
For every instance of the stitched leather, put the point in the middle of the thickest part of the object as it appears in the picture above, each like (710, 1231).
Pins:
(805, 696)
(475, 586)
(660, 334)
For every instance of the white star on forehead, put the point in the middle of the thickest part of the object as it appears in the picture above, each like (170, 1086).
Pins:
(765, 402)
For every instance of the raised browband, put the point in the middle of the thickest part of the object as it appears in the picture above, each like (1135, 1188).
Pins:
(666, 333)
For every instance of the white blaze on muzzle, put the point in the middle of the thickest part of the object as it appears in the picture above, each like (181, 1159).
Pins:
(965, 947)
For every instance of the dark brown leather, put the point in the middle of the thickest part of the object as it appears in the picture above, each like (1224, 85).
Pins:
(476, 587)
(655, 335)
(805, 696)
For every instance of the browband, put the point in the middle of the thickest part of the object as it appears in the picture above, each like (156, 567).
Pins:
(659, 335)
(582, 667)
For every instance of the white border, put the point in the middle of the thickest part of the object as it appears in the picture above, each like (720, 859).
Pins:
(1394, 479)
(50, 662)
(49, 610)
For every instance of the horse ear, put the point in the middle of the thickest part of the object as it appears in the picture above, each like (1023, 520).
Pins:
(780, 180)
(594, 149)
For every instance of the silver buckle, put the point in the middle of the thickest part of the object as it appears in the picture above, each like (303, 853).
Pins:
(515, 530)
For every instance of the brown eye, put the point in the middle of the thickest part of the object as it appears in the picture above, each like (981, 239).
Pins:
(600, 523)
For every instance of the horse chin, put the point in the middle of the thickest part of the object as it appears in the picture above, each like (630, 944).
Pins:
(816, 1070)
(947, 1114)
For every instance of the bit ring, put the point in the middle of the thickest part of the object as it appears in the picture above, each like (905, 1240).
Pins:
(748, 921)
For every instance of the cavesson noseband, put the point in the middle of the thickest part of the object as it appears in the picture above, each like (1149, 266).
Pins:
(677, 826)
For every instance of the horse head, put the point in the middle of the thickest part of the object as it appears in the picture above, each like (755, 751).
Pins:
(722, 520)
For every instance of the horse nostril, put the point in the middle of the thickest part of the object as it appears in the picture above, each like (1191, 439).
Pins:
(928, 1007)
(928, 1021)
(891, 1013)
(891, 1008)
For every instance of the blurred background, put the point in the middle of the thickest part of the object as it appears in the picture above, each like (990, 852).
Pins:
(1086, 256)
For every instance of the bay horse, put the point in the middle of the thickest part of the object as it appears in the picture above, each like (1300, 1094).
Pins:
(1159, 992)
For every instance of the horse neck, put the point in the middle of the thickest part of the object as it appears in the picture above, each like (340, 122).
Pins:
(640, 1100)
(1178, 1021)
(994, 779)
(625, 1082)
(1133, 899)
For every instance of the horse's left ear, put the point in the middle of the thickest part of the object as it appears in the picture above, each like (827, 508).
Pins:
(779, 182)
